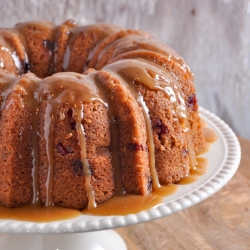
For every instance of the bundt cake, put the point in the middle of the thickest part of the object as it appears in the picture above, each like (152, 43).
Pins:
(90, 111)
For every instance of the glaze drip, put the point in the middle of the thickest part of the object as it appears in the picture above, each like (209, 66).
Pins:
(151, 147)
(48, 135)
(78, 115)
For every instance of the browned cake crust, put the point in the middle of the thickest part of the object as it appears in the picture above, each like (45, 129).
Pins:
(69, 188)
(98, 140)
(132, 136)
(15, 153)
(171, 158)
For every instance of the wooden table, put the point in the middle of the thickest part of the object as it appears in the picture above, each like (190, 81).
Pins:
(220, 222)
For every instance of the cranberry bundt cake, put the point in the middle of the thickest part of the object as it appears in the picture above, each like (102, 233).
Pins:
(87, 112)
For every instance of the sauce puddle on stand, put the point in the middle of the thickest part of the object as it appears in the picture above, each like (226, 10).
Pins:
(131, 204)
(38, 213)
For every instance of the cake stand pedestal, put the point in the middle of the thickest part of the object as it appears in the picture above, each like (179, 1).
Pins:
(100, 240)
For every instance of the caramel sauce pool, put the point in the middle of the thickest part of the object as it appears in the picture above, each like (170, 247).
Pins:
(38, 213)
(210, 135)
(200, 169)
(117, 205)
(131, 204)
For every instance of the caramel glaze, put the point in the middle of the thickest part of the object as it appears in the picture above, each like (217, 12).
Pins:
(106, 44)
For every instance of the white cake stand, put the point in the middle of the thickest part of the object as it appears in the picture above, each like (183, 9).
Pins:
(84, 232)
